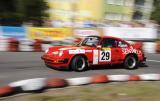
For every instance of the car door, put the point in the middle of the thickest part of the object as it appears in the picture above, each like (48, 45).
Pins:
(110, 52)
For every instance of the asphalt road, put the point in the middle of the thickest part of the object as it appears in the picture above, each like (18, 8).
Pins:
(16, 66)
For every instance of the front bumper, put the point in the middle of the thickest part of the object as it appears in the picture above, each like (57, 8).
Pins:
(59, 63)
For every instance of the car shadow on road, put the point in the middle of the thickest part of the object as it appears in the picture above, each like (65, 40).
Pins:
(99, 67)
(112, 67)
(65, 70)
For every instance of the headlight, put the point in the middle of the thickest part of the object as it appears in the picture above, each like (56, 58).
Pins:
(46, 51)
(60, 53)
(55, 52)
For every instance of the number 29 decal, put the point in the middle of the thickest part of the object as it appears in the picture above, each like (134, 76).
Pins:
(105, 56)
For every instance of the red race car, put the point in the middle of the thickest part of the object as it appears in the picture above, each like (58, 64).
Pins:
(94, 50)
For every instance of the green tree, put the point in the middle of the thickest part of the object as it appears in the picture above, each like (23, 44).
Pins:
(33, 11)
(156, 3)
(156, 12)
(16, 12)
(7, 12)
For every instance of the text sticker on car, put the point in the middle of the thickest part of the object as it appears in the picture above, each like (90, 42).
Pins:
(105, 55)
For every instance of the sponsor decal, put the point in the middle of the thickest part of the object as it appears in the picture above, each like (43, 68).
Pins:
(106, 49)
(77, 51)
(130, 50)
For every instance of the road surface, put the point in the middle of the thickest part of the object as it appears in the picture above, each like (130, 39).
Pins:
(16, 66)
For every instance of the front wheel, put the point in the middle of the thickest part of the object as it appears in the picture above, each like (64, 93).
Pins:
(130, 62)
(79, 63)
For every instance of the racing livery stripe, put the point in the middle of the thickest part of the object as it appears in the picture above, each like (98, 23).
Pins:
(95, 56)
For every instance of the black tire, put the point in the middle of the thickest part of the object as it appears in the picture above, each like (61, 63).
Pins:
(79, 63)
(130, 62)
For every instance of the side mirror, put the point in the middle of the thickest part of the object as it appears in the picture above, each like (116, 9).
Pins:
(99, 46)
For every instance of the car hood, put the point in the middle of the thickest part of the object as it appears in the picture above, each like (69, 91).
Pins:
(63, 48)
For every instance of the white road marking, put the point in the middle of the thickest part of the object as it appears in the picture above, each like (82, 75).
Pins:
(154, 60)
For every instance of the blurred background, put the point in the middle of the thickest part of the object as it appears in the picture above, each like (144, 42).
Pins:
(34, 25)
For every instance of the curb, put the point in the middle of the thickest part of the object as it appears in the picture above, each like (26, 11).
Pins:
(6, 90)
(40, 84)
(28, 45)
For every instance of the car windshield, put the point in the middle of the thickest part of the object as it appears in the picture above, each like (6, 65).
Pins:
(90, 41)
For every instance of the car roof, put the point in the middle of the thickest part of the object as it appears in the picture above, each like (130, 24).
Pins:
(116, 38)
(106, 37)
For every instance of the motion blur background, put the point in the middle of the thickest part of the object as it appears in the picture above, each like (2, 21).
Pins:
(34, 25)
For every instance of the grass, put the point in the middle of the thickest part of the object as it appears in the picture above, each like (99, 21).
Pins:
(132, 91)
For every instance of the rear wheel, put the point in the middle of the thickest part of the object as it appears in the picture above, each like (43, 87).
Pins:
(130, 62)
(79, 63)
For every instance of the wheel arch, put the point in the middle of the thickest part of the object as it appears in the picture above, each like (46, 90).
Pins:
(133, 54)
(83, 55)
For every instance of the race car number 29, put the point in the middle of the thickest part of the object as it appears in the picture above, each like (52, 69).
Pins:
(105, 56)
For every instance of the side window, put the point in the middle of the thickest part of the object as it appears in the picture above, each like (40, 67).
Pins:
(108, 42)
(122, 44)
